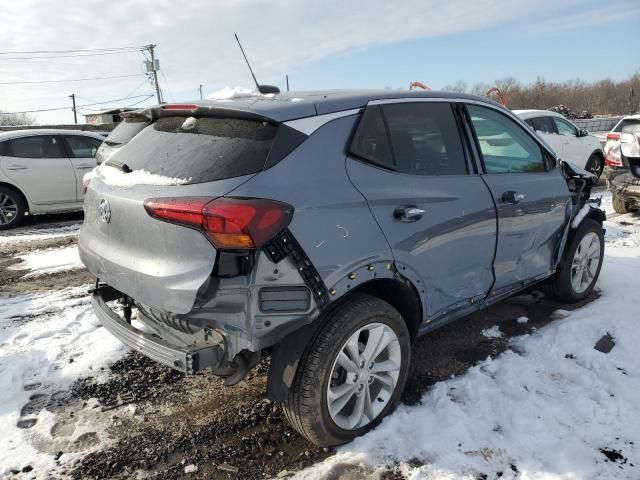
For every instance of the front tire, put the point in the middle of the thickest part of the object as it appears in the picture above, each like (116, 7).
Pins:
(12, 208)
(351, 374)
(581, 264)
(595, 165)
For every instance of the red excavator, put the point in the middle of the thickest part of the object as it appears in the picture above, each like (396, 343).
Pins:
(500, 97)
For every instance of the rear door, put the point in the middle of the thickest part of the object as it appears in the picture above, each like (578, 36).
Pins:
(530, 194)
(409, 162)
(38, 164)
(82, 154)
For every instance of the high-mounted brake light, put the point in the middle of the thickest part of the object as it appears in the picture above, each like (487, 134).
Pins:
(230, 223)
(613, 136)
(180, 106)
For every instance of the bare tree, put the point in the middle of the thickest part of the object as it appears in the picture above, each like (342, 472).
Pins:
(16, 119)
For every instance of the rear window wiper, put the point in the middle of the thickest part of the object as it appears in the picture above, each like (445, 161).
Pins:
(120, 166)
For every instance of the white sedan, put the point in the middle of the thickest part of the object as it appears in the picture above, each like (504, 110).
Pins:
(41, 171)
(571, 143)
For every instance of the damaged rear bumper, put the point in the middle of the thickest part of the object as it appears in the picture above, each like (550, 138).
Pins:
(188, 360)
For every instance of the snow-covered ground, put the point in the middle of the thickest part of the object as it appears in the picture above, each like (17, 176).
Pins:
(550, 407)
(53, 260)
(38, 234)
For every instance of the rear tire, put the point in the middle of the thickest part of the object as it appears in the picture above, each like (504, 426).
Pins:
(581, 264)
(365, 384)
(619, 204)
(12, 208)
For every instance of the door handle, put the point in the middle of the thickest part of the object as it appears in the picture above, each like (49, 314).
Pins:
(512, 197)
(84, 167)
(408, 213)
(17, 167)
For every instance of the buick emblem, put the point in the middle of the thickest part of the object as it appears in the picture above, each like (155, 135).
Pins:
(105, 210)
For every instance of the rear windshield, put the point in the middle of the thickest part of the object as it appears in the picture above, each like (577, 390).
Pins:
(198, 149)
(126, 130)
(626, 123)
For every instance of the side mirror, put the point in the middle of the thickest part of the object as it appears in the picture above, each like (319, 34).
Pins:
(630, 148)
(583, 132)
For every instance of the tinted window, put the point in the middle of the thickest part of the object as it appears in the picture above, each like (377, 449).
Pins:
(625, 123)
(126, 130)
(506, 147)
(198, 149)
(371, 141)
(564, 127)
(38, 146)
(544, 125)
(425, 139)
(82, 147)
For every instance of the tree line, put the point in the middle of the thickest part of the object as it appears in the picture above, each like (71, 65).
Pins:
(603, 97)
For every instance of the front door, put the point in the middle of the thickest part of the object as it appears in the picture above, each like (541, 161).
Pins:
(40, 168)
(531, 196)
(408, 160)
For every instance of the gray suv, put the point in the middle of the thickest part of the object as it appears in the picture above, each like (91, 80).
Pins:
(327, 230)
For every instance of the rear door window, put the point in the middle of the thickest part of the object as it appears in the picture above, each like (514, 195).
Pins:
(425, 139)
(82, 146)
(505, 146)
(198, 149)
(36, 146)
(544, 125)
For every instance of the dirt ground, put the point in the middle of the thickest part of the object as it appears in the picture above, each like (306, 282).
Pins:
(161, 421)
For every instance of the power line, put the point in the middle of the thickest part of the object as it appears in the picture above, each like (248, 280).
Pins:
(70, 80)
(79, 106)
(69, 56)
(16, 52)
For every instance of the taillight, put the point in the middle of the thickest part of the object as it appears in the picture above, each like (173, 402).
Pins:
(180, 106)
(85, 185)
(613, 136)
(231, 223)
(613, 160)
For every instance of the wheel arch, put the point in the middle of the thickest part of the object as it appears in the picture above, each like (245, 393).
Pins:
(19, 192)
(285, 357)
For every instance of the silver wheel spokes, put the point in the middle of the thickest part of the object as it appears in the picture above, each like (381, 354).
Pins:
(8, 209)
(585, 262)
(364, 376)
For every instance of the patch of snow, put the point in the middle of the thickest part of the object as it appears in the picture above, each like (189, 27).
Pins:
(37, 234)
(575, 223)
(46, 342)
(228, 93)
(114, 177)
(493, 332)
(41, 262)
(522, 320)
(191, 468)
(548, 414)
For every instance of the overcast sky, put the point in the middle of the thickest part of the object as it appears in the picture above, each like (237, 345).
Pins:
(322, 44)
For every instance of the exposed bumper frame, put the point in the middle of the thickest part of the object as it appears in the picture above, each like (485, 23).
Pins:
(188, 360)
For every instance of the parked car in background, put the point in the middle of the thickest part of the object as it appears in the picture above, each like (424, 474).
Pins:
(571, 143)
(41, 171)
(613, 138)
(129, 127)
(328, 230)
(624, 180)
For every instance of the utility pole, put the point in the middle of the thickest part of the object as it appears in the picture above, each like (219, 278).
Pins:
(75, 116)
(200, 90)
(154, 71)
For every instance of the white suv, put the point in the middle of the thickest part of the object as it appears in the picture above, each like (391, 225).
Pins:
(571, 143)
(41, 171)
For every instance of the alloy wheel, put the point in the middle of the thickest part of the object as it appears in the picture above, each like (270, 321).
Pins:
(364, 376)
(585, 262)
(8, 209)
